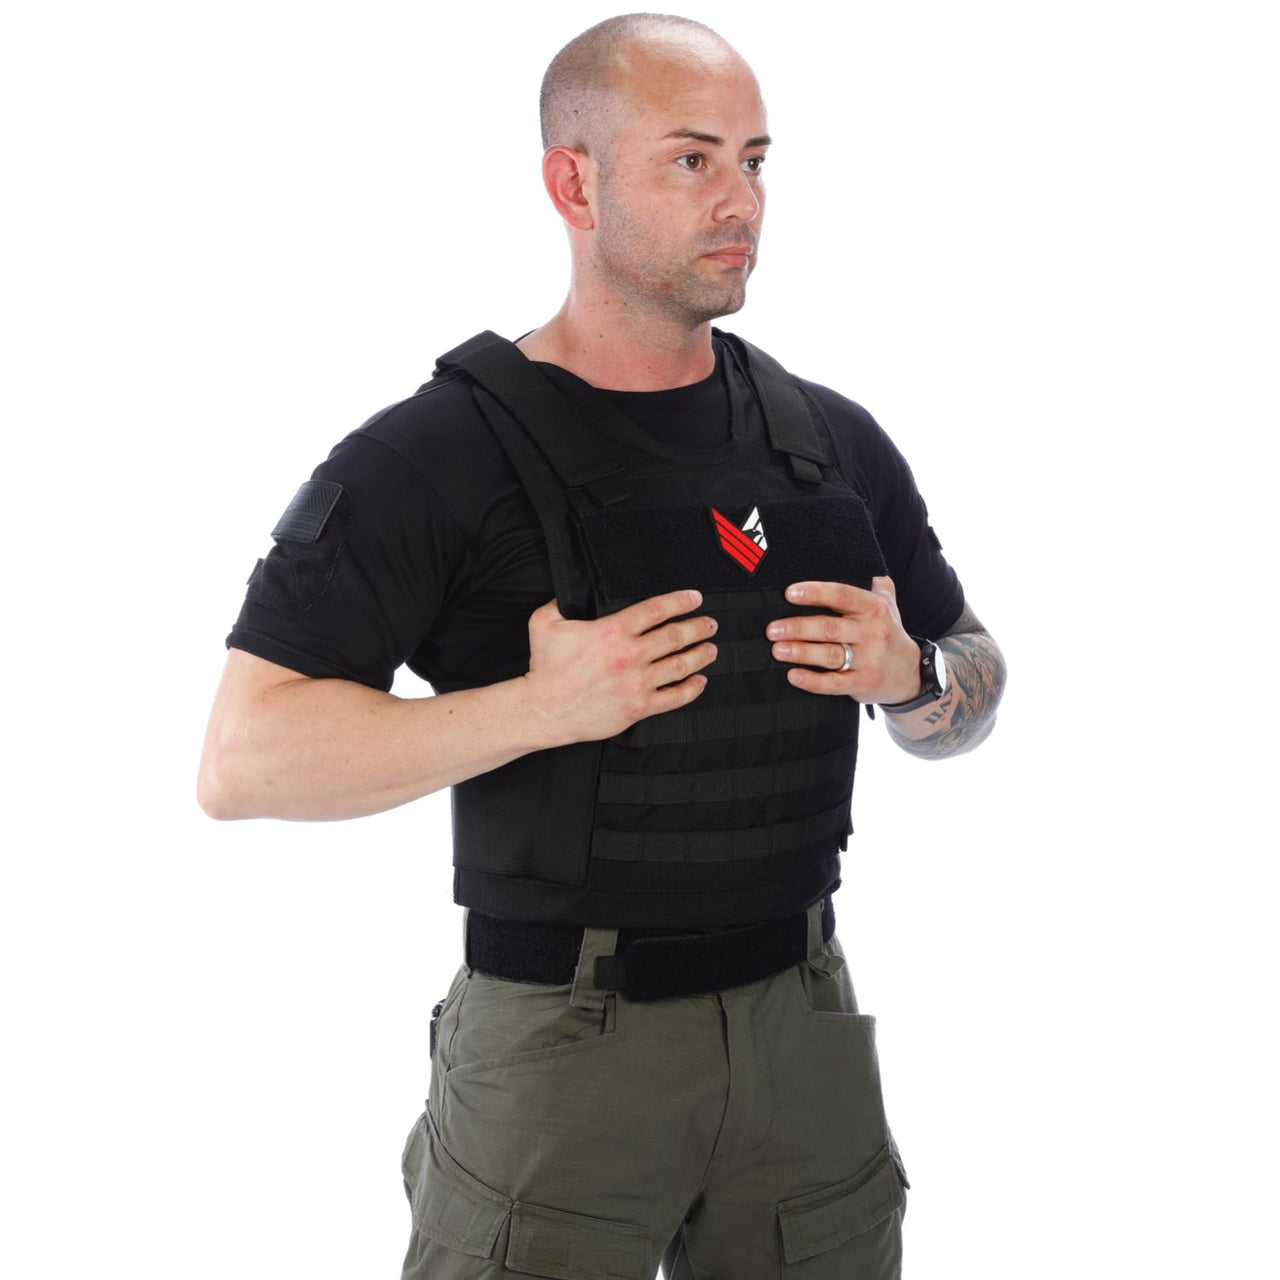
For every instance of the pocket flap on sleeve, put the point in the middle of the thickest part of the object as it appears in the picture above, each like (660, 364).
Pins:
(571, 1246)
(825, 1219)
(449, 1205)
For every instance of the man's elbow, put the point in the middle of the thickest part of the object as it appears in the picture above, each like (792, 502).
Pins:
(214, 798)
(220, 788)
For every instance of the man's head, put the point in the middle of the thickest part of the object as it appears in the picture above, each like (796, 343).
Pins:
(655, 135)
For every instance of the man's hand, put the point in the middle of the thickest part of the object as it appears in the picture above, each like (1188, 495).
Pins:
(590, 680)
(882, 663)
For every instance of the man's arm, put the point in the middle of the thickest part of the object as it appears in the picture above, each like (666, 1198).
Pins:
(284, 745)
(966, 713)
(884, 664)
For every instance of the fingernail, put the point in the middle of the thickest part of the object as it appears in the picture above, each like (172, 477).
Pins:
(795, 593)
(775, 631)
(781, 650)
(712, 625)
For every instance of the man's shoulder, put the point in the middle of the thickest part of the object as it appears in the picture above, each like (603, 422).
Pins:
(441, 417)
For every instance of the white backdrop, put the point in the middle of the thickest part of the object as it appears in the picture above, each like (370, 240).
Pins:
(1038, 242)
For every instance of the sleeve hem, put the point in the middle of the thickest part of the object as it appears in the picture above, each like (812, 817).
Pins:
(306, 664)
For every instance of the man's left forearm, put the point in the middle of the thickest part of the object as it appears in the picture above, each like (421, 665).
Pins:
(966, 712)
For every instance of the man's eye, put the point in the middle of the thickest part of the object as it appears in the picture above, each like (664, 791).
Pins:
(693, 161)
(753, 164)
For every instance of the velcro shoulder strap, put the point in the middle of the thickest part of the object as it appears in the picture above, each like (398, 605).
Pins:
(574, 449)
(554, 451)
(787, 414)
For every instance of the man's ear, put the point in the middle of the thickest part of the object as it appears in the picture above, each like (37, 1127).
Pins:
(569, 176)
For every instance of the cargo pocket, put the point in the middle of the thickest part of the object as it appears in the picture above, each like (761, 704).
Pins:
(453, 1209)
(449, 1206)
(571, 1246)
(857, 1221)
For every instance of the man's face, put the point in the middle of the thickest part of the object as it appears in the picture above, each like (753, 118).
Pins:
(680, 195)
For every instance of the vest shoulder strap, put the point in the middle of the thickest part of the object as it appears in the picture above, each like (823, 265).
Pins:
(787, 414)
(577, 454)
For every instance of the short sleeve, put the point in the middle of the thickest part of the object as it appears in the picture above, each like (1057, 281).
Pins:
(362, 559)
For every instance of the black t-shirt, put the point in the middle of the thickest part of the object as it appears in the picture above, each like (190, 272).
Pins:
(434, 557)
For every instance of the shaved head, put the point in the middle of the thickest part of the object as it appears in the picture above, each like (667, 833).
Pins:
(579, 104)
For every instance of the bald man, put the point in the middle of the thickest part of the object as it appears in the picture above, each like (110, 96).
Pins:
(653, 579)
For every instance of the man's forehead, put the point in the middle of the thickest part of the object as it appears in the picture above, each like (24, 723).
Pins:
(713, 105)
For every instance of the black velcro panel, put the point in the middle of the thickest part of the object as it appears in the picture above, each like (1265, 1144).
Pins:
(665, 967)
(636, 554)
(506, 948)
(305, 517)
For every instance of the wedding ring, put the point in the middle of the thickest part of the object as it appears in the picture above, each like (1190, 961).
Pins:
(848, 656)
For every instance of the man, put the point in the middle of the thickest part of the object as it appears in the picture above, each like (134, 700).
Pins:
(653, 1051)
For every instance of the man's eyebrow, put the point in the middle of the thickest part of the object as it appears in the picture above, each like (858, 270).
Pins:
(695, 135)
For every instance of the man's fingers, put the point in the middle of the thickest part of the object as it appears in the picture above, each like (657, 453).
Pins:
(675, 667)
(826, 655)
(673, 696)
(840, 596)
(638, 618)
(675, 636)
(829, 682)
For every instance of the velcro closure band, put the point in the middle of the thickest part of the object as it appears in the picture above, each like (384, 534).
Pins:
(305, 517)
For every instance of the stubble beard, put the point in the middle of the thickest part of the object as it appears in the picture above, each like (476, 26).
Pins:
(669, 285)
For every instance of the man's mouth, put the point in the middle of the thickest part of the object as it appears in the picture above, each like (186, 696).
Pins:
(732, 255)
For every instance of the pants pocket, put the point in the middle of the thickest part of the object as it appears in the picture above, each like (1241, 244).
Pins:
(851, 1230)
(456, 1214)
(499, 1025)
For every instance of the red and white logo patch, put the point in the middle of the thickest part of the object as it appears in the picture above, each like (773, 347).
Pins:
(746, 544)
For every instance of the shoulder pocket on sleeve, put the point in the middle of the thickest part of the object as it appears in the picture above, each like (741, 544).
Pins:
(309, 538)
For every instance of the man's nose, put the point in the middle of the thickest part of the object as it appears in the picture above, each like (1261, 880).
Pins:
(740, 198)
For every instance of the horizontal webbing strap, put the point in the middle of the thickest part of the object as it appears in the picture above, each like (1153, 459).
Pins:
(737, 657)
(724, 784)
(721, 846)
(714, 724)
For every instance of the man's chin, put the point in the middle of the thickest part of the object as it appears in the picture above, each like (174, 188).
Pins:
(727, 302)
(731, 306)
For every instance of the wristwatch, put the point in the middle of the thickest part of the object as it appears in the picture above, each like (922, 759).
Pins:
(933, 679)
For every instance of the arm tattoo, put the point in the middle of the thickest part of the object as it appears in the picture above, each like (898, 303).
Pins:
(975, 683)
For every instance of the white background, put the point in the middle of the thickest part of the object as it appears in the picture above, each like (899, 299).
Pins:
(1037, 241)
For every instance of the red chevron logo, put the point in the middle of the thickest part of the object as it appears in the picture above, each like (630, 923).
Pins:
(747, 544)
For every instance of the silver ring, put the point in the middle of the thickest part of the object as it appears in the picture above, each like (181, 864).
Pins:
(848, 656)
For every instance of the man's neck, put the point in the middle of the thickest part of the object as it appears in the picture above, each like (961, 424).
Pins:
(616, 353)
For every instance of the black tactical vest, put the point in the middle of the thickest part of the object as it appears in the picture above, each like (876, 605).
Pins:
(728, 811)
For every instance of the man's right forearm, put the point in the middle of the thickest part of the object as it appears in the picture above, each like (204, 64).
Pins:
(283, 745)
(325, 749)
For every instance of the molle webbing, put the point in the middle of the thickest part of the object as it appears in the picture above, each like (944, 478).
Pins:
(718, 787)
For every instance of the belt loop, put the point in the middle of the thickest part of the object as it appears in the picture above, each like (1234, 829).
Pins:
(819, 960)
(466, 939)
(595, 943)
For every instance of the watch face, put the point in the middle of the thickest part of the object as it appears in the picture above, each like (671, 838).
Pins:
(939, 671)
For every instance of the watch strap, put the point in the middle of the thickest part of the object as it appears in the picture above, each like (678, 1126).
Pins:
(931, 687)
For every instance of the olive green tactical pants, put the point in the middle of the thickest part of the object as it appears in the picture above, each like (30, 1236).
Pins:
(579, 1134)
